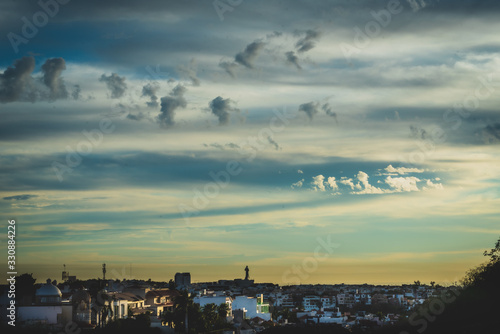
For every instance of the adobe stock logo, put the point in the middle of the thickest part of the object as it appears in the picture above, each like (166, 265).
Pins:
(29, 30)
(373, 29)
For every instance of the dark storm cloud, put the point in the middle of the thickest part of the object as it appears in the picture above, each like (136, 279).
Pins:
(150, 91)
(291, 58)
(24, 197)
(244, 58)
(248, 56)
(52, 70)
(229, 67)
(18, 84)
(310, 108)
(271, 141)
(169, 104)
(77, 90)
(215, 145)
(274, 34)
(231, 146)
(137, 117)
(115, 84)
(221, 107)
(16, 81)
(307, 42)
(418, 132)
(329, 110)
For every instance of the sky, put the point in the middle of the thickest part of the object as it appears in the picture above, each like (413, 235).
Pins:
(314, 141)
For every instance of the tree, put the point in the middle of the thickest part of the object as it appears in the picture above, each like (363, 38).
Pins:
(494, 253)
(25, 286)
(141, 324)
(186, 315)
(222, 311)
(168, 318)
(143, 320)
(476, 305)
(182, 303)
(102, 307)
(210, 316)
(483, 275)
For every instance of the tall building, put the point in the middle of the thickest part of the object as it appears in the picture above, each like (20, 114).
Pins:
(183, 279)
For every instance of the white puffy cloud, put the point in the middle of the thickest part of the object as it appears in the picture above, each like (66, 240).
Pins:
(403, 184)
(347, 181)
(366, 187)
(318, 183)
(429, 185)
(298, 184)
(332, 183)
(402, 170)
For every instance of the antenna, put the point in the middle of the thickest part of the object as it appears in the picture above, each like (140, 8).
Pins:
(104, 271)
(65, 274)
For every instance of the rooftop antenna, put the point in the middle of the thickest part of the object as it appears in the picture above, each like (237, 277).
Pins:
(65, 274)
(104, 271)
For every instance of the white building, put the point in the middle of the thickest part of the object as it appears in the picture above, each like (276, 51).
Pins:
(311, 303)
(48, 308)
(328, 302)
(284, 300)
(122, 301)
(252, 307)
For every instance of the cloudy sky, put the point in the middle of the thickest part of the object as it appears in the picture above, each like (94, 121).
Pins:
(314, 141)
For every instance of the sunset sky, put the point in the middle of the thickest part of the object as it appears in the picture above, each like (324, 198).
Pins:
(203, 136)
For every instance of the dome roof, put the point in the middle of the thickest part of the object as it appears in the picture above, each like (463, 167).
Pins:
(48, 290)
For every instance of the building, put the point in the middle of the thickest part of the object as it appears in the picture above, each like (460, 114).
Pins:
(328, 302)
(126, 304)
(160, 300)
(312, 303)
(379, 298)
(81, 308)
(346, 299)
(284, 300)
(48, 308)
(183, 280)
(252, 307)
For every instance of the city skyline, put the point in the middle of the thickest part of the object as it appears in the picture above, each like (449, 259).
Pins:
(315, 142)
